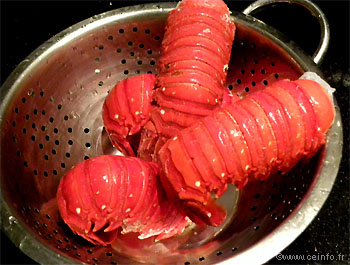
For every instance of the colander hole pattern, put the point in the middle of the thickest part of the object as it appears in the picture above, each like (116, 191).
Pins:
(53, 121)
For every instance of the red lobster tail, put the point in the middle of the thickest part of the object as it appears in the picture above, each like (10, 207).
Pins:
(126, 110)
(269, 131)
(106, 195)
(195, 54)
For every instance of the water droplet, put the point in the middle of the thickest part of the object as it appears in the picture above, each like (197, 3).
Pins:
(316, 208)
(12, 220)
(30, 93)
(73, 115)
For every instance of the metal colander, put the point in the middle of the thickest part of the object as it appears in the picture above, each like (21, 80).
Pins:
(51, 120)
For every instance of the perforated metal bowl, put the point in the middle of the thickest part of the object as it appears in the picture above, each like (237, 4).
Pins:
(51, 120)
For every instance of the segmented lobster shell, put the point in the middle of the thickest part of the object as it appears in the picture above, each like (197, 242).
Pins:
(195, 53)
(106, 195)
(127, 109)
(268, 131)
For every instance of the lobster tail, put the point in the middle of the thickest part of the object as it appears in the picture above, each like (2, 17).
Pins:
(127, 109)
(268, 131)
(107, 195)
(192, 66)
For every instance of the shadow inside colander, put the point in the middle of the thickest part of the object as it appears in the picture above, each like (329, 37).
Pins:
(264, 205)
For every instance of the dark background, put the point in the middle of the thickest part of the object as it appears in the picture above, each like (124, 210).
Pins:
(27, 24)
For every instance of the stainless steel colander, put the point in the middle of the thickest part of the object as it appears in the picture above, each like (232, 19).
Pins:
(51, 120)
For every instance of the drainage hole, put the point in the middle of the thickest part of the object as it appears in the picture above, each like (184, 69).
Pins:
(253, 208)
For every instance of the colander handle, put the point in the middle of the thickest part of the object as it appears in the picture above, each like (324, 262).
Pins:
(315, 11)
